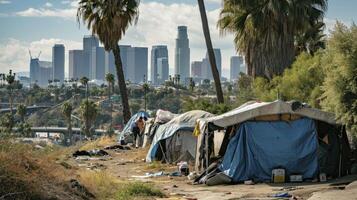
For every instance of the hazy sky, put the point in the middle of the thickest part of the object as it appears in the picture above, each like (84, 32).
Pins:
(39, 24)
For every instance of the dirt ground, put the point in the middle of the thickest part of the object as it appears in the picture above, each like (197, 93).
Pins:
(130, 165)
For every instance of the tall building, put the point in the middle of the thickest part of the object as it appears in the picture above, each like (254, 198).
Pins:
(162, 70)
(98, 63)
(235, 68)
(89, 42)
(58, 62)
(40, 72)
(137, 64)
(34, 70)
(182, 54)
(206, 65)
(110, 61)
(157, 52)
(196, 69)
(76, 68)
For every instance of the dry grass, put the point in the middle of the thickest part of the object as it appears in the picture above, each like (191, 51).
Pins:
(105, 186)
(101, 183)
(29, 173)
(99, 143)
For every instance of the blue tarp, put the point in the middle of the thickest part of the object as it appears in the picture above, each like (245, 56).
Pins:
(259, 147)
(127, 128)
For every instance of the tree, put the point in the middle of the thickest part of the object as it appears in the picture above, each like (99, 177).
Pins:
(10, 79)
(88, 113)
(211, 57)
(21, 112)
(265, 31)
(67, 113)
(6, 123)
(311, 40)
(340, 85)
(110, 79)
(146, 89)
(109, 20)
(84, 81)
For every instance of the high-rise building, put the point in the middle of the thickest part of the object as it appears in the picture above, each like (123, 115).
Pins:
(157, 52)
(76, 68)
(137, 64)
(235, 68)
(58, 62)
(162, 70)
(98, 63)
(182, 54)
(40, 72)
(206, 65)
(110, 61)
(196, 69)
(89, 42)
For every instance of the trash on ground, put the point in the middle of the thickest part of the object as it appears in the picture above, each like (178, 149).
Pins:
(282, 195)
(249, 182)
(117, 147)
(183, 168)
(192, 176)
(94, 152)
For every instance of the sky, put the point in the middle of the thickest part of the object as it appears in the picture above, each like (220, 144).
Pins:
(39, 24)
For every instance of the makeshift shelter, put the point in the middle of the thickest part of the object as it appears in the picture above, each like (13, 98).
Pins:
(162, 117)
(126, 135)
(174, 141)
(262, 136)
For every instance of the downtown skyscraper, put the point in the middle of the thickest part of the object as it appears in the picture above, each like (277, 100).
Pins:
(235, 68)
(58, 62)
(89, 42)
(159, 64)
(182, 54)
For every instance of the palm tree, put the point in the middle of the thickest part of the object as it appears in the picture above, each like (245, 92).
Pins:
(109, 20)
(84, 81)
(265, 31)
(110, 79)
(67, 113)
(211, 57)
(10, 79)
(88, 113)
(21, 112)
(311, 40)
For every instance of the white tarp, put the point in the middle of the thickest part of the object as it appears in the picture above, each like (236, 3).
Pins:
(251, 110)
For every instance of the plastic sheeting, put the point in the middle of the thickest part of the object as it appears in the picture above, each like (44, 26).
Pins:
(259, 147)
(123, 135)
(183, 122)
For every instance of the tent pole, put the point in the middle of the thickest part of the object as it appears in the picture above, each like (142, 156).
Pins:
(206, 147)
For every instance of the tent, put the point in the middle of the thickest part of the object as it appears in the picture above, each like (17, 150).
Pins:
(262, 136)
(125, 136)
(174, 141)
(162, 117)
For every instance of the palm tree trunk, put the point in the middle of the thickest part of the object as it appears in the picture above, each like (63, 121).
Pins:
(121, 83)
(111, 105)
(212, 58)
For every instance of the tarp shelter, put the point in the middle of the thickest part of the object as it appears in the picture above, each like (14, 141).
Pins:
(174, 141)
(126, 134)
(262, 136)
(151, 126)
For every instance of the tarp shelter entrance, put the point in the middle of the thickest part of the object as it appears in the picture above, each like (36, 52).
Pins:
(174, 141)
(126, 135)
(260, 137)
(151, 126)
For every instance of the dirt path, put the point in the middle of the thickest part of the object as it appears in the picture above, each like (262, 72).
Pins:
(128, 165)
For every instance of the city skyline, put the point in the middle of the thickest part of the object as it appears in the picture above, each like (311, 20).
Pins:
(20, 16)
